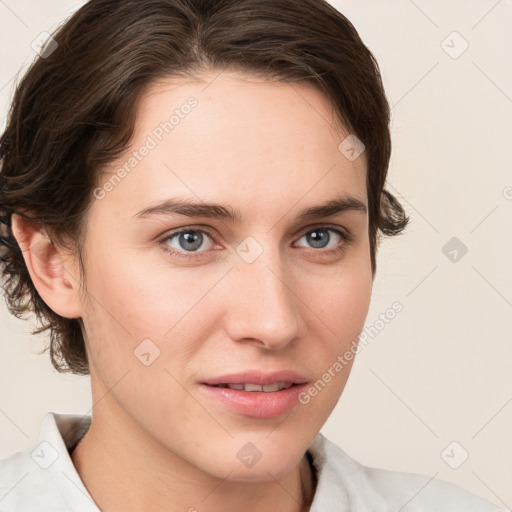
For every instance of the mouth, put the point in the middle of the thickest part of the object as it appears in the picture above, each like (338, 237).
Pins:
(255, 394)
(267, 388)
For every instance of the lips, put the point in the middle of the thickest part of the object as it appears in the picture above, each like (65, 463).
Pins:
(256, 394)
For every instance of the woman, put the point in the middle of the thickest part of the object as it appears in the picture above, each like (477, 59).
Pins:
(193, 193)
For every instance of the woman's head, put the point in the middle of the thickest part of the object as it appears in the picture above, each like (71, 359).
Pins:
(74, 111)
(257, 106)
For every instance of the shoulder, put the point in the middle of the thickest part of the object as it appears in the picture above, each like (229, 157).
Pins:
(43, 478)
(344, 481)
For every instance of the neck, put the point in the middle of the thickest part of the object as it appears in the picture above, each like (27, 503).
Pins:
(123, 468)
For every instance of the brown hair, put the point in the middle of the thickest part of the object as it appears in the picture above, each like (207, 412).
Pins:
(74, 112)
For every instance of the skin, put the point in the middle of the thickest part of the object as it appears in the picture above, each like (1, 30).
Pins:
(156, 442)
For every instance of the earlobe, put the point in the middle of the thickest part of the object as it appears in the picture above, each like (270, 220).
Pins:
(51, 272)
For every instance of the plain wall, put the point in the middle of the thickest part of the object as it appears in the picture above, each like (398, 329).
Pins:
(440, 370)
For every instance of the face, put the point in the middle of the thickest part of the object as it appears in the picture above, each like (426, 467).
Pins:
(182, 300)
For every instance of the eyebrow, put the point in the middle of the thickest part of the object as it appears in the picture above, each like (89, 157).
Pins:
(190, 208)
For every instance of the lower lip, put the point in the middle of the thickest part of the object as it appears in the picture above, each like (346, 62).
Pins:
(256, 404)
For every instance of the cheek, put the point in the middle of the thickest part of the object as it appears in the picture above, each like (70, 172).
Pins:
(343, 299)
(141, 333)
(144, 315)
(346, 307)
(341, 306)
(143, 301)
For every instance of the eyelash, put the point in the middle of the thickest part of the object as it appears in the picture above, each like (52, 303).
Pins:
(192, 255)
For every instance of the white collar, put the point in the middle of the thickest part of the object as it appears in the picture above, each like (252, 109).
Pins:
(46, 480)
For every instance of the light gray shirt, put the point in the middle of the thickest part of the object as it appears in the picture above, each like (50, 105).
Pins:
(44, 479)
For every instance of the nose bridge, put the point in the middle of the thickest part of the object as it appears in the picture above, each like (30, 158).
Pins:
(264, 307)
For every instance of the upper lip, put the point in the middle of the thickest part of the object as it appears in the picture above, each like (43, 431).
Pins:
(257, 377)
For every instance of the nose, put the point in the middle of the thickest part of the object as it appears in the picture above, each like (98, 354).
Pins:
(263, 308)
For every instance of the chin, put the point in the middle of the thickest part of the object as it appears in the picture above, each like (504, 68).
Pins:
(255, 460)
(261, 472)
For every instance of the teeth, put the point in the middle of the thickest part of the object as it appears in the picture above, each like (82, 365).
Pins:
(267, 388)
(236, 386)
(253, 387)
(271, 387)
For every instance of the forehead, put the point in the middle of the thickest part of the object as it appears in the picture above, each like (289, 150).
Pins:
(243, 106)
(217, 136)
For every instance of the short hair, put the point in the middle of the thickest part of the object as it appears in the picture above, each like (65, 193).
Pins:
(74, 112)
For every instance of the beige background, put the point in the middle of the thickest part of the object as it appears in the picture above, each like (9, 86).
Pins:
(440, 371)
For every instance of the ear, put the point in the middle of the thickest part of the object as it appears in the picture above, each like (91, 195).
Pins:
(53, 272)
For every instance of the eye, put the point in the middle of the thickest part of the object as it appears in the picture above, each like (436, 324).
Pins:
(186, 242)
(320, 238)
